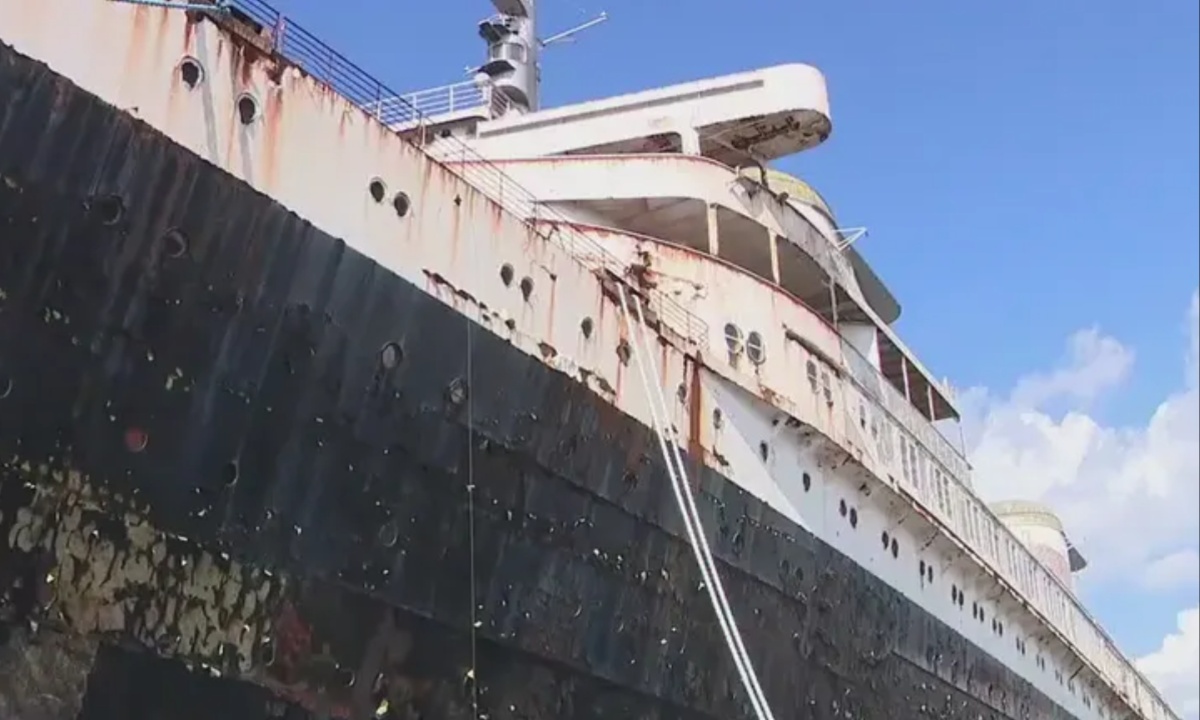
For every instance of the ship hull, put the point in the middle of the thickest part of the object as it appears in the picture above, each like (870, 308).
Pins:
(247, 472)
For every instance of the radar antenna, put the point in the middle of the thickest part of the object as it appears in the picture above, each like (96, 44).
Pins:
(513, 49)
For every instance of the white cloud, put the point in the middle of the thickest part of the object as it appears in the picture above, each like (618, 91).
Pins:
(1129, 496)
(1179, 569)
(1175, 667)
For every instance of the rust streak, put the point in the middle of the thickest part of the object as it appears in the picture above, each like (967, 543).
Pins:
(695, 411)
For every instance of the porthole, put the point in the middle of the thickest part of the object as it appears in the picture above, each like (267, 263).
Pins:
(806, 480)
(624, 352)
(391, 355)
(733, 339)
(247, 109)
(191, 73)
(230, 473)
(929, 573)
(136, 440)
(388, 534)
(954, 594)
(842, 508)
(108, 209)
(764, 450)
(921, 569)
(174, 243)
(755, 350)
(506, 274)
(895, 548)
(377, 189)
(401, 204)
(586, 326)
(526, 287)
(883, 537)
(716, 418)
(853, 517)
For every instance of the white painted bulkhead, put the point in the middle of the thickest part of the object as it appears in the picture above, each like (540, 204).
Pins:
(318, 154)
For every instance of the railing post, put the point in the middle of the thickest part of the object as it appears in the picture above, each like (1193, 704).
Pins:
(277, 37)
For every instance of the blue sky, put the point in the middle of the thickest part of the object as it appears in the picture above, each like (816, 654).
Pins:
(1027, 169)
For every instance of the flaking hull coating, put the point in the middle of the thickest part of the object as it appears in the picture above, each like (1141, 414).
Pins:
(219, 498)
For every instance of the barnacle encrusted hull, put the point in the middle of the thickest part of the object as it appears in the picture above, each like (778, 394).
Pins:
(219, 498)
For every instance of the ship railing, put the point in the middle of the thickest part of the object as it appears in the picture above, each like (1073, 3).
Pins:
(448, 100)
(393, 109)
(908, 448)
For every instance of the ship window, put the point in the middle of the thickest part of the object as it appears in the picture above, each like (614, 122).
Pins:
(377, 189)
(136, 439)
(733, 339)
(391, 355)
(190, 72)
(175, 244)
(806, 480)
(401, 203)
(109, 209)
(247, 109)
(754, 348)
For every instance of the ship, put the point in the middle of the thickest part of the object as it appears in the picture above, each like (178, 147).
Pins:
(319, 400)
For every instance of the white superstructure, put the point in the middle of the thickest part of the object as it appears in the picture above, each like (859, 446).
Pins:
(777, 342)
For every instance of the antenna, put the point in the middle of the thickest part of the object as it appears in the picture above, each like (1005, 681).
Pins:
(567, 36)
(849, 236)
(513, 50)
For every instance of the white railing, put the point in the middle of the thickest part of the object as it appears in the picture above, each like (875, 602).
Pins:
(931, 471)
(440, 101)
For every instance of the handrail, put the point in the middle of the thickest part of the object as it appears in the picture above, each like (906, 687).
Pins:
(331, 68)
(447, 99)
(963, 513)
(326, 65)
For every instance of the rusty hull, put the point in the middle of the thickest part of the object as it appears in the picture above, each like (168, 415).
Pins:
(247, 472)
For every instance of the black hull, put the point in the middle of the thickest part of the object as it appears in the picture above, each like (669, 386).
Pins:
(233, 396)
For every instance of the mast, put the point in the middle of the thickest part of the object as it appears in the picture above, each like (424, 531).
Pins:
(513, 68)
(512, 56)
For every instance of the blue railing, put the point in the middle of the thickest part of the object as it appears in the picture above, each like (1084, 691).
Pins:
(304, 50)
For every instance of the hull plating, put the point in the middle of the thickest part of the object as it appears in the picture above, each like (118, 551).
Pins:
(246, 472)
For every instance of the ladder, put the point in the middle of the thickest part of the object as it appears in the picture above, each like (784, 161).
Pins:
(632, 308)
